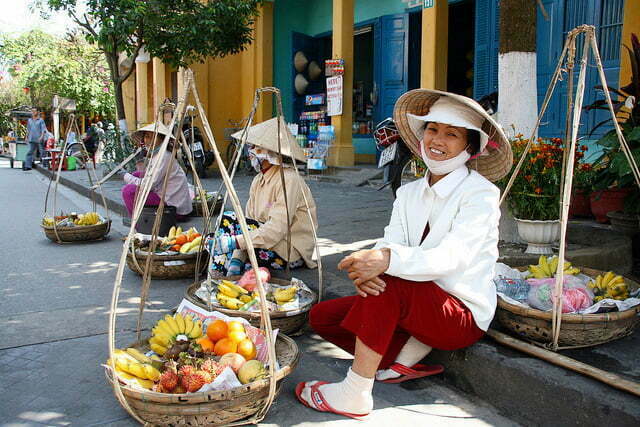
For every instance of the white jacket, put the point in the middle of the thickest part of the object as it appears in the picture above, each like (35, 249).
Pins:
(460, 252)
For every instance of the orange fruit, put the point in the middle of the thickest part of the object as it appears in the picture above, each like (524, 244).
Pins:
(207, 345)
(236, 326)
(237, 336)
(224, 346)
(181, 239)
(247, 349)
(217, 330)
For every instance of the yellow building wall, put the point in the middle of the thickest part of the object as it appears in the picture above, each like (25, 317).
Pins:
(631, 25)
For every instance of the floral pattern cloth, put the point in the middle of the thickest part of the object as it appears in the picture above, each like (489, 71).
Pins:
(229, 226)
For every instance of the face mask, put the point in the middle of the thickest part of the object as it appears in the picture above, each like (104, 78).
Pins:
(257, 155)
(443, 167)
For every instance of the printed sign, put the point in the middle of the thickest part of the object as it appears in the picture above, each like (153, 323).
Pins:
(317, 99)
(334, 67)
(334, 96)
(427, 3)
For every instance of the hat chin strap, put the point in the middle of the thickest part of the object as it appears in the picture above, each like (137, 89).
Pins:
(443, 167)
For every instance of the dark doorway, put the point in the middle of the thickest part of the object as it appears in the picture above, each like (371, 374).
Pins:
(461, 48)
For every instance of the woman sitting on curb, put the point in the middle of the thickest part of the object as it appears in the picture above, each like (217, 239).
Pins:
(177, 191)
(266, 209)
(428, 282)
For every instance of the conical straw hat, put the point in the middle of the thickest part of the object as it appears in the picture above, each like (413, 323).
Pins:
(493, 163)
(314, 70)
(265, 135)
(300, 61)
(300, 84)
(163, 130)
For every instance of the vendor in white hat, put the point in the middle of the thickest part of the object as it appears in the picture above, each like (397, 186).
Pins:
(266, 210)
(177, 190)
(428, 282)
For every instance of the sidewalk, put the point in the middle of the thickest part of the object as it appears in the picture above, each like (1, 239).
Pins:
(529, 390)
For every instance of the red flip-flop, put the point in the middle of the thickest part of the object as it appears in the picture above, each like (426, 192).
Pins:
(318, 400)
(416, 371)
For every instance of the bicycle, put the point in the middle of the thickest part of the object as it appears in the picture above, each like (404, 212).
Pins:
(244, 164)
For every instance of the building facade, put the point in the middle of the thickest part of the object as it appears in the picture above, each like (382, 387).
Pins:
(388, 47)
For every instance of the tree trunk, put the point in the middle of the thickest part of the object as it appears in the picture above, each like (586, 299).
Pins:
(112, 60)
(517, 83)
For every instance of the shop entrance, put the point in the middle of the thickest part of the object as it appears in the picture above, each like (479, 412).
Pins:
(461, 48)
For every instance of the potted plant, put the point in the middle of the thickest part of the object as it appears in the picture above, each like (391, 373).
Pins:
(583, 179)
(534, 199)
(614, 180)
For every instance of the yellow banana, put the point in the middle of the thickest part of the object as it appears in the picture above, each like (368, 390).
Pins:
(235, 287)
(164, 327)
(616, 280)
(599, 281)
(124, 374)
(138, 355)
(607, 278)
(553, 264)
(537, 272)
(180, 322)
(195, 244)
(544, 266)
(188, 325)
(151, 373)
(178, 231)
(228, 302)
(172, 324)
(158, 348)
(245, 298)
(196, 332)
(224, 289)
(566, 265)
(572, 271)
(285, 295)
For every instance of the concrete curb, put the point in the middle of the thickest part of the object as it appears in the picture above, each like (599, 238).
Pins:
(116, 206)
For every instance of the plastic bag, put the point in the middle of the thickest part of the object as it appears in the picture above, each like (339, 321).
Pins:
(518, 289)
(576, 295)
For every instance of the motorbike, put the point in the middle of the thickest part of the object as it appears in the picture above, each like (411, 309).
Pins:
(396, 158)
(202, 158)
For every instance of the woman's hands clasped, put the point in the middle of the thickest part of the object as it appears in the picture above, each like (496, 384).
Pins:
(365, 267)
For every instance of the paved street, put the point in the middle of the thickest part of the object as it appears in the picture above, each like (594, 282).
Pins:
(55, 301)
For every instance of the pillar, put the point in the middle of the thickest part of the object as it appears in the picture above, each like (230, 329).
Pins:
(435, 35)
(341, 152)
(631, 24)
(263, 43)
(159, 84)
(142, 88)
(129, 95)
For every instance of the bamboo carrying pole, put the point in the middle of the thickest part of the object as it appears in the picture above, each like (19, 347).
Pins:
(609, 378)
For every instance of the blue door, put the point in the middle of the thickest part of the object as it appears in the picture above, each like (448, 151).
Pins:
(391, 71)
(564, 15)
(487, 36)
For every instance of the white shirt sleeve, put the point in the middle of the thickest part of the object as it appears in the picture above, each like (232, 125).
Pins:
(130, 179)
(394, 232)
(477, 215)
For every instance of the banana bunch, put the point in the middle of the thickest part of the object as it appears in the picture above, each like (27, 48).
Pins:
(134, 366)
(547, 268)
(47, 222)
(168, 330)
(191, 246)
(285, 295)
(174, 232)
(609, 286)
(231, 295)
(90, 218)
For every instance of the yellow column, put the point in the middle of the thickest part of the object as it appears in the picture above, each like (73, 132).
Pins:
(159, 84)
(180, 84)
(142, 88)
(341, 152)
(129, 93)
(631, 24)
(435, 28)
(264, 58)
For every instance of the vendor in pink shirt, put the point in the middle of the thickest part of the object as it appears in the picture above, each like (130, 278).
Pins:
(177, 191)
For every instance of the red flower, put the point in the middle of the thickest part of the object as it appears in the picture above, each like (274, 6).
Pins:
(538, 190)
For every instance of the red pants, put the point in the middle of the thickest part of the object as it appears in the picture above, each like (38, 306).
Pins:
(385, 322)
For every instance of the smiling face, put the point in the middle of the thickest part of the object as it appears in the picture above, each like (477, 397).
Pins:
(444, 142)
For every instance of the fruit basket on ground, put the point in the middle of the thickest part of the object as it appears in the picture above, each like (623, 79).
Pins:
(598, 306)
(289, 301)
(195, 373)
(76, 227)
(175, 255)
(214, 201)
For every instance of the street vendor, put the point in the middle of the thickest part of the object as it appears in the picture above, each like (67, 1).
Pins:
(428, 282)
(266, 210)
(177, 190)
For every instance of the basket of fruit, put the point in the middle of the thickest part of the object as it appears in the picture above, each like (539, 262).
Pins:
(214, 201)
(606, 289)
(289, 301)
(190, 374)
(76, 227)
(174, 257)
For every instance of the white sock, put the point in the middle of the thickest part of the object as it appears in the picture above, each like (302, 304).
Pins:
(412, 352)
(353, 394)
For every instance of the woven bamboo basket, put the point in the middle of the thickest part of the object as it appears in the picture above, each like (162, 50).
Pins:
(577, 330)
(180, 266)
(80, 233)
(213, 407)
(215, 205)
(287, 324)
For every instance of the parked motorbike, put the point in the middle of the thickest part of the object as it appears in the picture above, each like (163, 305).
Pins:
(394, 156)
(202, 158)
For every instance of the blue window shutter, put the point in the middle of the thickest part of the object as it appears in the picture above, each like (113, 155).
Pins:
(487, 41)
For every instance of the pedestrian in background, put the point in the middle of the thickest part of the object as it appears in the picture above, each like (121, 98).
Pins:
(35, 136)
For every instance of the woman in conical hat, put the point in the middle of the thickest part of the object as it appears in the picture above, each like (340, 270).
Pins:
(428, 283)
(177, 191)
(266, 210)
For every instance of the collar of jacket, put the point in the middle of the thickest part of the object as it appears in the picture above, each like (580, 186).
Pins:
(446, 185)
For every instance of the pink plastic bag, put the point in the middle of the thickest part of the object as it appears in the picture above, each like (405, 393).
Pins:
(575, 294)
(248, 279)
